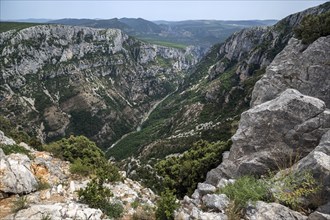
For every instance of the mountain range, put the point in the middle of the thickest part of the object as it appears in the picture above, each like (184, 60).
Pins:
(202, 33)
(239, 131)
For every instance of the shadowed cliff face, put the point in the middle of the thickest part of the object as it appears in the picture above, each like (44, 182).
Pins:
(57, 80)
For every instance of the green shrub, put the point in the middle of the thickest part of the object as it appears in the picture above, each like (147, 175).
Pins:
(80, 168)
(108, 172)
(13, 149)
(288, 188)
(97, 196)
(76, 147)
(113, 210)
(312, 27)
(85, 156)
(166, 205)
(20, 203)
(243, 190)
(183, 173)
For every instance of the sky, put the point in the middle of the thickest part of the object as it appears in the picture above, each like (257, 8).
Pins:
(173, 10)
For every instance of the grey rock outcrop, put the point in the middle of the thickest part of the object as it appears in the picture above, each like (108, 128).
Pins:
(216, 202)
(272, 132)
(16, 175)
(255, 48)
(6, 140)
(304, 69)
(198, 214)
(57, 211)
(272, 211)
(322, 213)
(204, 188)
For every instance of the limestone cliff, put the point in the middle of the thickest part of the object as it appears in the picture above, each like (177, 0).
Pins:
(57, 80)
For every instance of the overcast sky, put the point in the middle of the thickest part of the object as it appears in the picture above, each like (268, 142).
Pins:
(153, 10)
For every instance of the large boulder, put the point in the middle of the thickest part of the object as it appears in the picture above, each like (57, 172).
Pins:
(272, 211)
(272, 133)
(15, 174)
(304, 69)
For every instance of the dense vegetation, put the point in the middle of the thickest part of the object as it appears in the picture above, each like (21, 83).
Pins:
(85, 157)
(312, 27)
(17, 134)
(181, 174)
(166, 205)
(7, 26)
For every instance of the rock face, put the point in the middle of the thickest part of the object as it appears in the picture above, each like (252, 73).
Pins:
(298, 67)
(255, 48)
(57, 211)
(16, 175)
(216, 202)
(55, 77)
(5, 140)
(272, 211)
(282, 122)
(272, 132)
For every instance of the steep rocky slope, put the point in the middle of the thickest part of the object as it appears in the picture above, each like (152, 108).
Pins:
(209, 102)
(57, 80)
(286, 131)
(288, 123)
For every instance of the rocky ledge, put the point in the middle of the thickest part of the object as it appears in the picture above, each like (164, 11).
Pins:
(22, 176)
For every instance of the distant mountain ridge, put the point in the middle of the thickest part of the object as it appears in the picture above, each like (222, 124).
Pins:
(202, 33)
